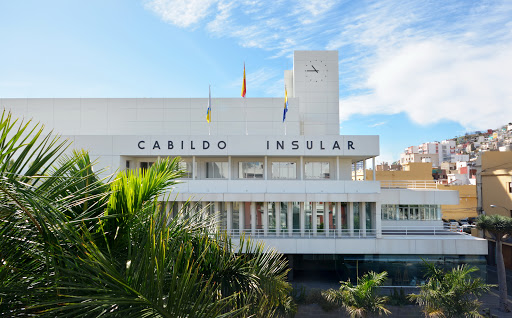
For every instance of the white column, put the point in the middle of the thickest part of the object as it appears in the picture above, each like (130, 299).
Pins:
(229, 167)
(337, 168)
(194, 172)
(378, 223)
(313, 217)
(265, 169)
(253, 218)
(327, 222)
(301, 168)
(338, 218)
(204, 212)
(364, 170)
(265, 218)
(375, 168)
(289, 214)
(180, 207)
(241, 217)
(218, 210)
(350, 218)
(229, 217)
(301, 218)
(277, 212)
(362, 217)
(168, 211)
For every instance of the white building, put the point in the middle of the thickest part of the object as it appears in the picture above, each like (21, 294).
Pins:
(289, 184)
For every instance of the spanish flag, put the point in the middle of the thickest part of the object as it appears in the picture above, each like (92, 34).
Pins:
(243, 84)
(285, 104)
(209, 110)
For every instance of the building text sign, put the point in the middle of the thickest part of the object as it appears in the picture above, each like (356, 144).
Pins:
(254, 145)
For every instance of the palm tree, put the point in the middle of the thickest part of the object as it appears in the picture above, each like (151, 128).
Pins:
(450, 294)
(500, 227)
(361, 300)
(72, 244)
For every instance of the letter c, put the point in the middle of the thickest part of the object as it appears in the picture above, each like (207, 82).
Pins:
(141, 142)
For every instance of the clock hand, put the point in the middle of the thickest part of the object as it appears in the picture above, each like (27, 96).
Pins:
(314, 68)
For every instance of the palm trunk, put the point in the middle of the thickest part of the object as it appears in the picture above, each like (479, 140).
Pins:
(502, 276)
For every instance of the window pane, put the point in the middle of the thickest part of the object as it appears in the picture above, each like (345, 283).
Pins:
(217, 170)
(250, 170)
(316, 170)
(284, 216)
(187, 167)
(284, 170)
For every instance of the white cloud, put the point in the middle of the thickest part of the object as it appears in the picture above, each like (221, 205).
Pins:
(182, 13)
(432, 60)
(438, 80)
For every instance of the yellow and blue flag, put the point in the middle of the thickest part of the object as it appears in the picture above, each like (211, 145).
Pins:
(285, 104)
(209, 110)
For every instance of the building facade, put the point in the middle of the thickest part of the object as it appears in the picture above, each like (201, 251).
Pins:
(289, 184)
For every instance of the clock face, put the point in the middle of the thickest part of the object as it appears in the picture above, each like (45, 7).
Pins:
(316, 71)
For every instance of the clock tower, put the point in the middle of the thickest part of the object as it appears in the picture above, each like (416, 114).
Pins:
(316, 85)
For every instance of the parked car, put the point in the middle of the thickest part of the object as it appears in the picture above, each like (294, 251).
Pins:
(466, 228)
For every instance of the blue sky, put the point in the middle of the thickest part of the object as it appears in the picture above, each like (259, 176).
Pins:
(410, 71)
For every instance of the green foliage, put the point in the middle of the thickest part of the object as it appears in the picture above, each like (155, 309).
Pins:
(398, 298)
(73, 245)
(497, 225)
(452, 293)
(361, 300)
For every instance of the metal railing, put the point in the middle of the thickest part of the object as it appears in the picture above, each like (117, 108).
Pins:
(347, 233)
(408, 184)
(420, 230)
(307, 233)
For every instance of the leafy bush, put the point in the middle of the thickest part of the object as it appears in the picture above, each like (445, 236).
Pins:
(398, 298)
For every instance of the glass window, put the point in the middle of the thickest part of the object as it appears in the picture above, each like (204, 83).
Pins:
(284, 216)
(271, 217)
(357, 222)
(317, 170)
(187, 167)
(308, 209)
(368, 215)
(260, 211)
(235, 212)
(145, 165)
(217, 170)
(250, 170)
(296, 216)
(284, 170)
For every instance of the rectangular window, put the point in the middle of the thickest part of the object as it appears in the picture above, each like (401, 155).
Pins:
(284, 170)
(308, 209)
(187, 167)
(217, 170)
(250, 170)
(510, 187)
(317, 170)
(284, 215)
(235, 212)
(145, 165)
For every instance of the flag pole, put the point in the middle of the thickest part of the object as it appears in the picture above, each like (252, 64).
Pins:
(210, 109)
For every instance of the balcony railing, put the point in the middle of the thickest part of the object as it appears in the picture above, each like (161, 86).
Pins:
(408, 184)
(349, 234)
(308, 233)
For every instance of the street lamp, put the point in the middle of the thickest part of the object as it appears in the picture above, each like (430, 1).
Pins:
(499, 206)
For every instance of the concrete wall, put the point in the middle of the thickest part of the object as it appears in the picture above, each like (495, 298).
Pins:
(467, 202)
(495, 176)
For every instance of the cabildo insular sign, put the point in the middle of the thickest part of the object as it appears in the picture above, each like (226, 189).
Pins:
(259, 145)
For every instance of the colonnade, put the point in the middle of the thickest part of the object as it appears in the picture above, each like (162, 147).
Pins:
(334, 225)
